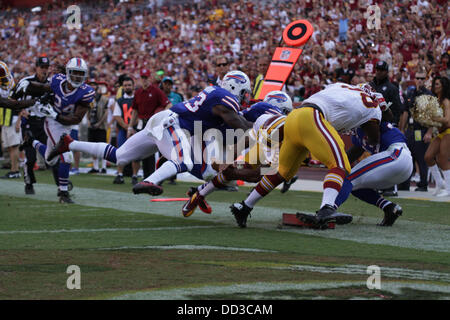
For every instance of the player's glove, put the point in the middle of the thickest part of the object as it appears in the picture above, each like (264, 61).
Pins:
(47, 98)
(48, 111)
(21, 87)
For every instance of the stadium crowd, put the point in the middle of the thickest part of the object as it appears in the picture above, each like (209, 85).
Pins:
(183, 40)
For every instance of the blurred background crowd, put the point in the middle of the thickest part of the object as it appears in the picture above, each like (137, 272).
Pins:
(182, 39)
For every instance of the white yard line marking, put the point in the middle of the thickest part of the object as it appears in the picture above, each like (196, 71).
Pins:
(104, 230)
(188, 247)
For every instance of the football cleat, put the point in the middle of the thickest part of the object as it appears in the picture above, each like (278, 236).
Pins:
(201, 201)
(288, 184)
(241, 212)
(61, 146)
(29, 189)
(134, 180)
(342, 218)
(147, 187)
(326, 214)
(11, 175)
(391, 212)
(190, 206)
(119, 180)
(64, 197)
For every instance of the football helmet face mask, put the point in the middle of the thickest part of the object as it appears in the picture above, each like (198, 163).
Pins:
(76, 72)
(238, 83)
(366, 87)
(6, 78)
(279, 99)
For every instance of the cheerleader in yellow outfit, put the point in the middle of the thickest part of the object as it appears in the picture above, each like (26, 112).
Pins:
(438, 153)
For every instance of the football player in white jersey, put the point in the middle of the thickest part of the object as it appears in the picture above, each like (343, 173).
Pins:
(314, 127)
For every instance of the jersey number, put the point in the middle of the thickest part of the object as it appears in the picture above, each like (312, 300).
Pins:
(366, 99)
(67, 110)
(197, 103)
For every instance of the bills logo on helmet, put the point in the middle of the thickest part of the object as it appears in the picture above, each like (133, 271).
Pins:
(278, 97)
(238, 78)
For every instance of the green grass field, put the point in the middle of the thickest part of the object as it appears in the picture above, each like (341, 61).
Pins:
(130, 248)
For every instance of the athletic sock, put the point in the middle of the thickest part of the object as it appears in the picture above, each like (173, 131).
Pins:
(344, 193)
(164, 172)
(264, 187)
(436, 174)
(332, 184)
(217, 182)
(63, 174)
(40, 147)
(371, 196)
(95, 149)
(447, 179)
(95, 164)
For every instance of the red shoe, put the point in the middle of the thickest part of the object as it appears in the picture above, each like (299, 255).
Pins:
(147, 187)
(61, 147)
(201, 201)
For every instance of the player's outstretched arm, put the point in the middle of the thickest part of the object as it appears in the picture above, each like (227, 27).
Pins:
(16, 105)
(231, 118)
(76, 117)
(33, 88)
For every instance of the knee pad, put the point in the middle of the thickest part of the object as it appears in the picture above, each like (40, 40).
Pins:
(122, 160)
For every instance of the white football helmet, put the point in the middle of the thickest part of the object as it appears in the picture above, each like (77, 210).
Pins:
(6, 78)
(238, 83)
(76, 71)
(279, 99)
(365, 87)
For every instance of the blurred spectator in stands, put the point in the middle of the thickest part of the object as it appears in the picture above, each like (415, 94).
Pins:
(148, 100)
(418, 136)
(122, 114)
(97, 122)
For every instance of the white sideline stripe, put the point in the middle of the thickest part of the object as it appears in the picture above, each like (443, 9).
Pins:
(389, 272)
(258, 289)
(187, 247)
(106, 230)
